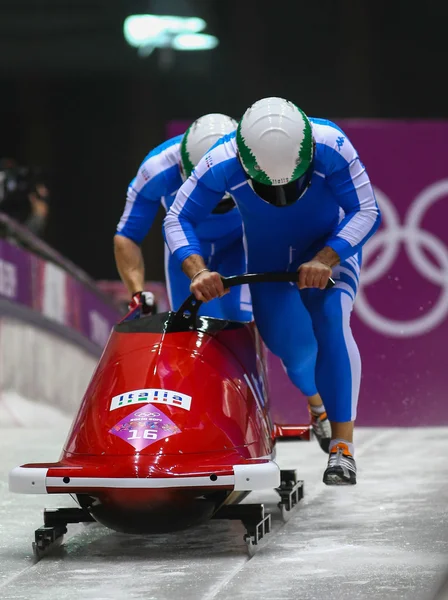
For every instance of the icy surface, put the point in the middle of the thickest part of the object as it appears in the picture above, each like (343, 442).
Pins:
(386, 538)
(18, 411)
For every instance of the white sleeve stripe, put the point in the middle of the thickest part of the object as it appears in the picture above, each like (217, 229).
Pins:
(131, 196)
(329, 135)
(176, 237)
(362, 222)
(158, 163)
(167, 257)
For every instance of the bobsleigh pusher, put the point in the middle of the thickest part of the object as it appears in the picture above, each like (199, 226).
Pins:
(174, 429)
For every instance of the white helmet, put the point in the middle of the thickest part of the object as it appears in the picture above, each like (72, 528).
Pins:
(200, 137)
(274, 141)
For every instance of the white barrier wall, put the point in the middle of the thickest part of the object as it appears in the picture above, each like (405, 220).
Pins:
(38, 365)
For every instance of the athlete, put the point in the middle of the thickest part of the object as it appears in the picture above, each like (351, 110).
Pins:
(308, 206)
(220, 236)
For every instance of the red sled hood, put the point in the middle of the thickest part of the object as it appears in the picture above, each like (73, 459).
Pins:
(193, 392)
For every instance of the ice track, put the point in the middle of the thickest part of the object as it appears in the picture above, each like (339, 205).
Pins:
(386, 538)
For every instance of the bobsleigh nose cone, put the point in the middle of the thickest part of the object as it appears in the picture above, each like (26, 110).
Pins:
(162, 512)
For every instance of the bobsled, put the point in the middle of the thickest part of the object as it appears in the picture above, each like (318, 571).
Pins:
(174, 429)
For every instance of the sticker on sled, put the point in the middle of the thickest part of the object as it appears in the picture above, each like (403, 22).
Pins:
(144, 426)
(151, 395)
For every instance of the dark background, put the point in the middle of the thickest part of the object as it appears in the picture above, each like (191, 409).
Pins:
(79, 101)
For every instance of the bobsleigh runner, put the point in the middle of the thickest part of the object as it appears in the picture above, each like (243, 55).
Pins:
(174, 429)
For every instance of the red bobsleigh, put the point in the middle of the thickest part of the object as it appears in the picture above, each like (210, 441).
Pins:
(174, 429)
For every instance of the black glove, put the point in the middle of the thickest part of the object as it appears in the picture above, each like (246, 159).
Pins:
(145, 300)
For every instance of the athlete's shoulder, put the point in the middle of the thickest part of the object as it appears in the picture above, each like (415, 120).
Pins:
(328, 133)
(219, 167)
(225, 147)
(164, 155)
(320, 124)
(159, 172)
(222, 158)
(333, 148)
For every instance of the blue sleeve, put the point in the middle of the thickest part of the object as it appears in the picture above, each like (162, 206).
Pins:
(350, 184)
(143, 201)
(194, 201)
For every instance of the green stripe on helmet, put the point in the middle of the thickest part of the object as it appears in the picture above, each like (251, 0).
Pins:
(304, 158)
(249, 161)
(187, 164)
(306, 149)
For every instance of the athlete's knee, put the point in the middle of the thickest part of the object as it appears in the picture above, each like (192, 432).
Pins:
(273, 342)
(330, 317)
(302, 374)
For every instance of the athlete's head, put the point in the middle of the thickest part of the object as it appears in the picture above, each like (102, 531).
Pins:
(200, 137)
(274, 141)
(275, 146)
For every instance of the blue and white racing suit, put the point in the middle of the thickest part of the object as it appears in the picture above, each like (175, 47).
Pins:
(309, 329)
(220, 236)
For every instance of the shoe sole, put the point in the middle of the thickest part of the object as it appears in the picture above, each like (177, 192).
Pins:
(334, 479)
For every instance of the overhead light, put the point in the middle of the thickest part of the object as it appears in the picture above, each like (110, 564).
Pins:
(195, 41)
(147, 32)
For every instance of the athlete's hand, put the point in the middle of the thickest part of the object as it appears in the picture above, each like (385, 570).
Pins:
(207, 286)
(314, 274)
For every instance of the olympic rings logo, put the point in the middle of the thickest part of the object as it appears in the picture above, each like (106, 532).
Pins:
(147, 415)
(415, 241)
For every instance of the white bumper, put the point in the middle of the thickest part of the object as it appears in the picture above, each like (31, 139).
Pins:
(250, 477)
